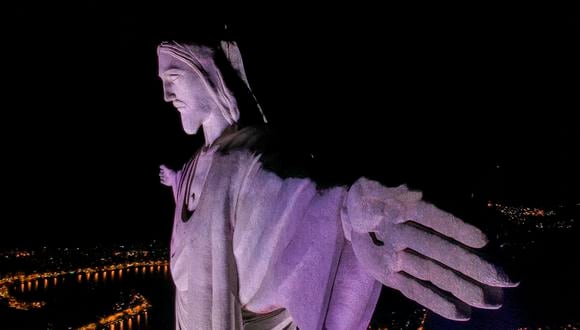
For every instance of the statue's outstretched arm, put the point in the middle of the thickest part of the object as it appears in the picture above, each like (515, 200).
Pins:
(426, 253)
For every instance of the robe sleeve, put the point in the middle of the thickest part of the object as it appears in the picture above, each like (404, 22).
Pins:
(175, 186)
(290, 251)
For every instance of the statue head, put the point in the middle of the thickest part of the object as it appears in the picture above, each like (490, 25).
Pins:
(200, 81)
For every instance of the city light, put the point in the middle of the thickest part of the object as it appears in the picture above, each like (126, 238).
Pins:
(26, 280)
(137, 305)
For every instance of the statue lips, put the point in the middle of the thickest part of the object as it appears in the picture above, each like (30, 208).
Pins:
(178, 104)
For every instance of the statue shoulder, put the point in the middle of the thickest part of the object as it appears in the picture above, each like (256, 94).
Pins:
(277, 152)
(249, 138)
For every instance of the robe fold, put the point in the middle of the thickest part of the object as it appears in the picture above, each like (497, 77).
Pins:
(248, 242)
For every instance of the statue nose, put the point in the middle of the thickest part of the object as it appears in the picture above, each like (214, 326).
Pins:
(168, 94)
(168, 97)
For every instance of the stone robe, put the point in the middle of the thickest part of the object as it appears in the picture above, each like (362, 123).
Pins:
(251, 250)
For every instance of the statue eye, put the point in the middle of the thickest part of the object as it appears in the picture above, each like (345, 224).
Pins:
(173, 77)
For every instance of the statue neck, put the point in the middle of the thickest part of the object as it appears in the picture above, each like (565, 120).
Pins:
(213, 128)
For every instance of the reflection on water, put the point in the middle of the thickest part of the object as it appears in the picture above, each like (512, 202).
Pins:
(87, 297)
(28, 286)
(95, 277)
(128, 323)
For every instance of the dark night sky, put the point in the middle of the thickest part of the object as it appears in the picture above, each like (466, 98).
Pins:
(436, 97)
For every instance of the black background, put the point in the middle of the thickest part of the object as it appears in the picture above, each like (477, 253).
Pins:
(453, 101)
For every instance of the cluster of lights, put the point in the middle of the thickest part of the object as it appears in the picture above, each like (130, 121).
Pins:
(524, 215)
(514, 212)
(46, 258)
(15, 254)
(422, 325)
(133, 253)
(569, 326)
(138, 305)
(14, 303)
(22, 254)
(422, 313)
(9, 280)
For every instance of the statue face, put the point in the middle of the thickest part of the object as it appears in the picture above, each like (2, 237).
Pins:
(186, 91)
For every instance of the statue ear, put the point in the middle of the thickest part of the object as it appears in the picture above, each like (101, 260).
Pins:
(234, 57)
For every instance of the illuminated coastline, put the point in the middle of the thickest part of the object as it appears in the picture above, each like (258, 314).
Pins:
(138, 306)
(27, 280)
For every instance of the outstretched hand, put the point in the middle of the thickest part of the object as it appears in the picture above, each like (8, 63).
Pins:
(167, 176)
(420, 250)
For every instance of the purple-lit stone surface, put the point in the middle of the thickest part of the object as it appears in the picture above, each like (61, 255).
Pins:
(251, 250)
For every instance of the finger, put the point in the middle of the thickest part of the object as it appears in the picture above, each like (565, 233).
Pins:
(433, 299)
(448, 225)
(450, 254)
(464, 289)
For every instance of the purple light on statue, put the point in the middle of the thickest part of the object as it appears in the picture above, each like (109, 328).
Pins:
(249, 247)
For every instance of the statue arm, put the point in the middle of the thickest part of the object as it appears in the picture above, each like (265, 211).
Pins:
(425, 253)
(170, 178)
